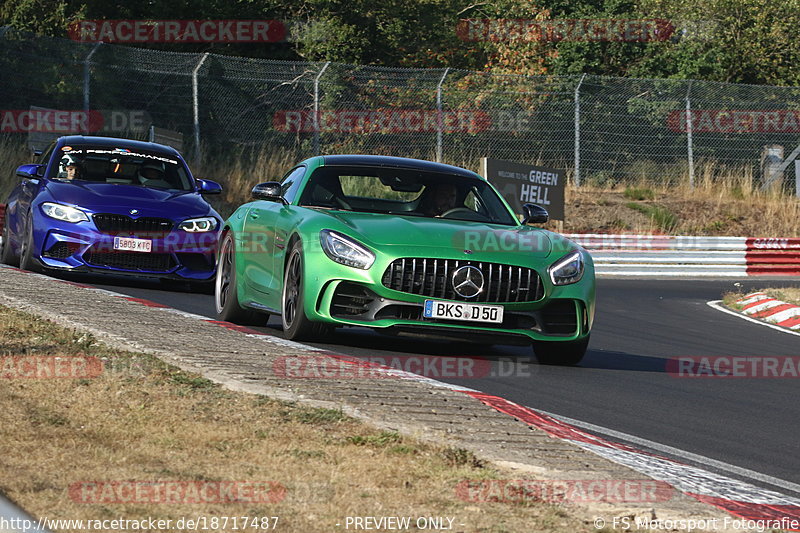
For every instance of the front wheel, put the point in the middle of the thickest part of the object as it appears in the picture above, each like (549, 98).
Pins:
(226, 299)
(567, 353)
(27, 261)
(7, 255)
(296, 325)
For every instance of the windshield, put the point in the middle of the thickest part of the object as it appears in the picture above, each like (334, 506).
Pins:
(405, 192)
(121, 166)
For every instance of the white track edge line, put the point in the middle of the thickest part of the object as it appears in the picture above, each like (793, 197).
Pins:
(700, 459)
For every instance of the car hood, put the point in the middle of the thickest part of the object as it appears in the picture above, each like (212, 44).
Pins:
(101, 197)
(445, 234)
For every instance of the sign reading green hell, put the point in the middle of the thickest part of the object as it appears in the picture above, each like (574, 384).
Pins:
(527, 184)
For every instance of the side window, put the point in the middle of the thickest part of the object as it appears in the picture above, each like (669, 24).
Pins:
(291, 183)
(45, 158)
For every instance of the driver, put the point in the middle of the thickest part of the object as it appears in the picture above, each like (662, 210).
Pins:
(442, 198)
(70, 169)
(151, 171)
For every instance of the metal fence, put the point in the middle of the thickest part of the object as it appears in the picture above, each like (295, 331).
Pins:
(602, 130)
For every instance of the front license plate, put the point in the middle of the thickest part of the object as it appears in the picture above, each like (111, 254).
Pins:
(492, 314)
(133, 245)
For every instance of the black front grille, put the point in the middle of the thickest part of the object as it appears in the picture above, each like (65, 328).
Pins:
(560, 317)
(194, 261)
(351, 300)
(121, 224)
(135, 261)
(62, 250)
(433, 278)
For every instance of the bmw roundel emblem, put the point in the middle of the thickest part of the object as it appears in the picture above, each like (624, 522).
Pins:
(134, 211)
(468, 281)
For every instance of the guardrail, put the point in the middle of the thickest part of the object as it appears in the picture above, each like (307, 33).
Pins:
(666, 255)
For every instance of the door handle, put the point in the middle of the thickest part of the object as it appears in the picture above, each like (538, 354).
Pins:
(253, 215)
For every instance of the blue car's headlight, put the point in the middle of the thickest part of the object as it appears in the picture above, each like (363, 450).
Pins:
(567, 270)
(199, 225)
(64, 212)
(345, 250)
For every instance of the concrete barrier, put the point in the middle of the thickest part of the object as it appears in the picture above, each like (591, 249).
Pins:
(673, 255)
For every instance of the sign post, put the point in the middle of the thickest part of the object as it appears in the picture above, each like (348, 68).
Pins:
(527, 184)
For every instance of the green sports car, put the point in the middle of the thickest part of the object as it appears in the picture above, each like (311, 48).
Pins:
(403, 245)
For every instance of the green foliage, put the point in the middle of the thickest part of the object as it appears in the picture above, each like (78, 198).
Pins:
(639, 193)
(746, 41)
(661, 217)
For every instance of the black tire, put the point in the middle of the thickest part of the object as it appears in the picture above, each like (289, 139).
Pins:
(296, 325)
(7, 255)
(26, 259)
(226, 298)
(560, 353)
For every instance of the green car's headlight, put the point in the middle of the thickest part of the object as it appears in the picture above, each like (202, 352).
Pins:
(567, 270)
(198, 225)
(64, 212)
(345, 250)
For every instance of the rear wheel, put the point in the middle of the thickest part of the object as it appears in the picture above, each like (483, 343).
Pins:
(296, 325)
(560, 353)
(226, 297)
(7, 255)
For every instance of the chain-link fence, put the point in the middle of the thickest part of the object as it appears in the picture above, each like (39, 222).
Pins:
(603, 130)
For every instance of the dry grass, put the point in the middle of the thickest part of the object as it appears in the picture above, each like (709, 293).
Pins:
(145, 421)
(785, 294)
(708, 209)
(13, 153)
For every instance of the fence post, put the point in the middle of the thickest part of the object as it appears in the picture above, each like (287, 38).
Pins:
(196, 108)
(439, 118)
(577, 174)
(316, 107)
(86, 79)
(689, 147)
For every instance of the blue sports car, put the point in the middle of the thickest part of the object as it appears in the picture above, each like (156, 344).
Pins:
(97, 204)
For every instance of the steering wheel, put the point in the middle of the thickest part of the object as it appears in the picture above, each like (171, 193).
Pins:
(472, 215)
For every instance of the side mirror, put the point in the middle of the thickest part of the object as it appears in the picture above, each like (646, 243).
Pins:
(209, 187)
(30, 171)
(534, 214)
(270, 190)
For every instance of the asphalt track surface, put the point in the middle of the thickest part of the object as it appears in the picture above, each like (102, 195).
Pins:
(622, 384)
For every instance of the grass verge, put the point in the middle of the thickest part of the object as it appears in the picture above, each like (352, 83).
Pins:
(143, 421)
(789, 295)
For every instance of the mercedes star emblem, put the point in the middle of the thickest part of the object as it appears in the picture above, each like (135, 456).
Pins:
(468, 281)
